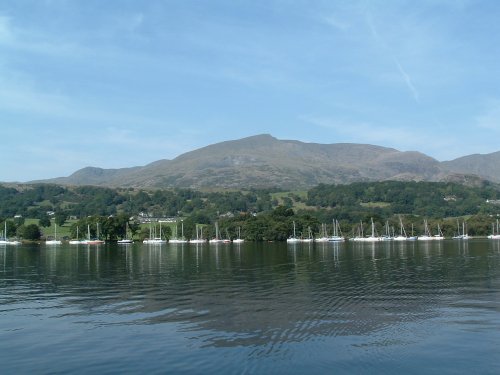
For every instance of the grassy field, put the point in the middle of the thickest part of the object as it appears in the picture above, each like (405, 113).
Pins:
(375, 204)
(63, 231)
(287, 197)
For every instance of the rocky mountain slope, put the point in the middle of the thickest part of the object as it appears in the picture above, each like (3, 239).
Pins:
(264, 161)
(487, 166)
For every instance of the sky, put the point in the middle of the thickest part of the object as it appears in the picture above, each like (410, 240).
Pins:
(120, 83)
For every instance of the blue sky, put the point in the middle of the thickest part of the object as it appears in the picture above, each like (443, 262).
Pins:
(123, 83)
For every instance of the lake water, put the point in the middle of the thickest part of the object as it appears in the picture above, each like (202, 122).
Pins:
(392, 308)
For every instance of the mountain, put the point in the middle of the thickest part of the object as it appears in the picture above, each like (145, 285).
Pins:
(95, 176)
(264, 161)
(487, 166)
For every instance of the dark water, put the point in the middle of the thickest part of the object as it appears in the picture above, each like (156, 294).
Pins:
(256, 308)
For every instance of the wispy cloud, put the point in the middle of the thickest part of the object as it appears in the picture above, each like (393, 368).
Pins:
(387, 49)
(18, 96)
(35, 41)
(408, 81)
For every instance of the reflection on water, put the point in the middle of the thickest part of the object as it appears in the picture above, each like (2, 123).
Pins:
(253, 307)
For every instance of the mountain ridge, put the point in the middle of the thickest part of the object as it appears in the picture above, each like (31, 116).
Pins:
(263, 161)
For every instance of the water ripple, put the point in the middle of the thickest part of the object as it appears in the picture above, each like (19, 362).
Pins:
(256, 308)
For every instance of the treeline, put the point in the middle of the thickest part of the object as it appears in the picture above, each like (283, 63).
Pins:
(388, 198)
(35, 201)
(259, 214)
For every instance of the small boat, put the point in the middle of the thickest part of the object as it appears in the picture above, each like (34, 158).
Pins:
(76, 241)
(126, 240)
(216, 239)
(309, 236)
(439, 236)
(427, 233)
(402, 233)
(372, 238)
(4, 240)
(463, 235)
(90, 241)
(175, 239)
(55, 241)
(323, 237)
(294, 238)
(199, 236)
(337, 234)
(153, 240)
(360, 237)
(239, 239)
(387, 236)
(495, 235)
(412, 237)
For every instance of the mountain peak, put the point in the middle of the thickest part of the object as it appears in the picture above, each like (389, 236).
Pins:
(264, 161)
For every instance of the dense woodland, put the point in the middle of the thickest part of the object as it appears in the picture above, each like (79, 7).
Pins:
(261, 214)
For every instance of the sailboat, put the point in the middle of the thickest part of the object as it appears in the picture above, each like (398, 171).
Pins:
(76, 241)
(90, 241)
(4, 240)
(126, 240)
(323, 236)
(337, 234)
(402, 233)
(55, 241)
(372, 238)
(360, 237)
(495, 235)
(309, 236)
(228, 238)
(427, 233)
(294, 238)
(412, 237)
(153, 240)
(387, 236)
(217, 238)
(199, 237)
(182, 239)
(439, 235)
(239, 239)
(150, 238)
(175, 239)
(463, 235)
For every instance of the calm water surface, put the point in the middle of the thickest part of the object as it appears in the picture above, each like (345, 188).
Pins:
(256, 308)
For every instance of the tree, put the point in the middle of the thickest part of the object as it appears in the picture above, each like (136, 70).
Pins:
(60, 218)
(30, 232)
(44, 221)
(18, 221)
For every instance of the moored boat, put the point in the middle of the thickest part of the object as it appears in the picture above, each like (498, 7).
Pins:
(55, 241)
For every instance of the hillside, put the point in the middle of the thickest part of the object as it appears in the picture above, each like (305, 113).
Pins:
(264, 161)
(484, 165)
